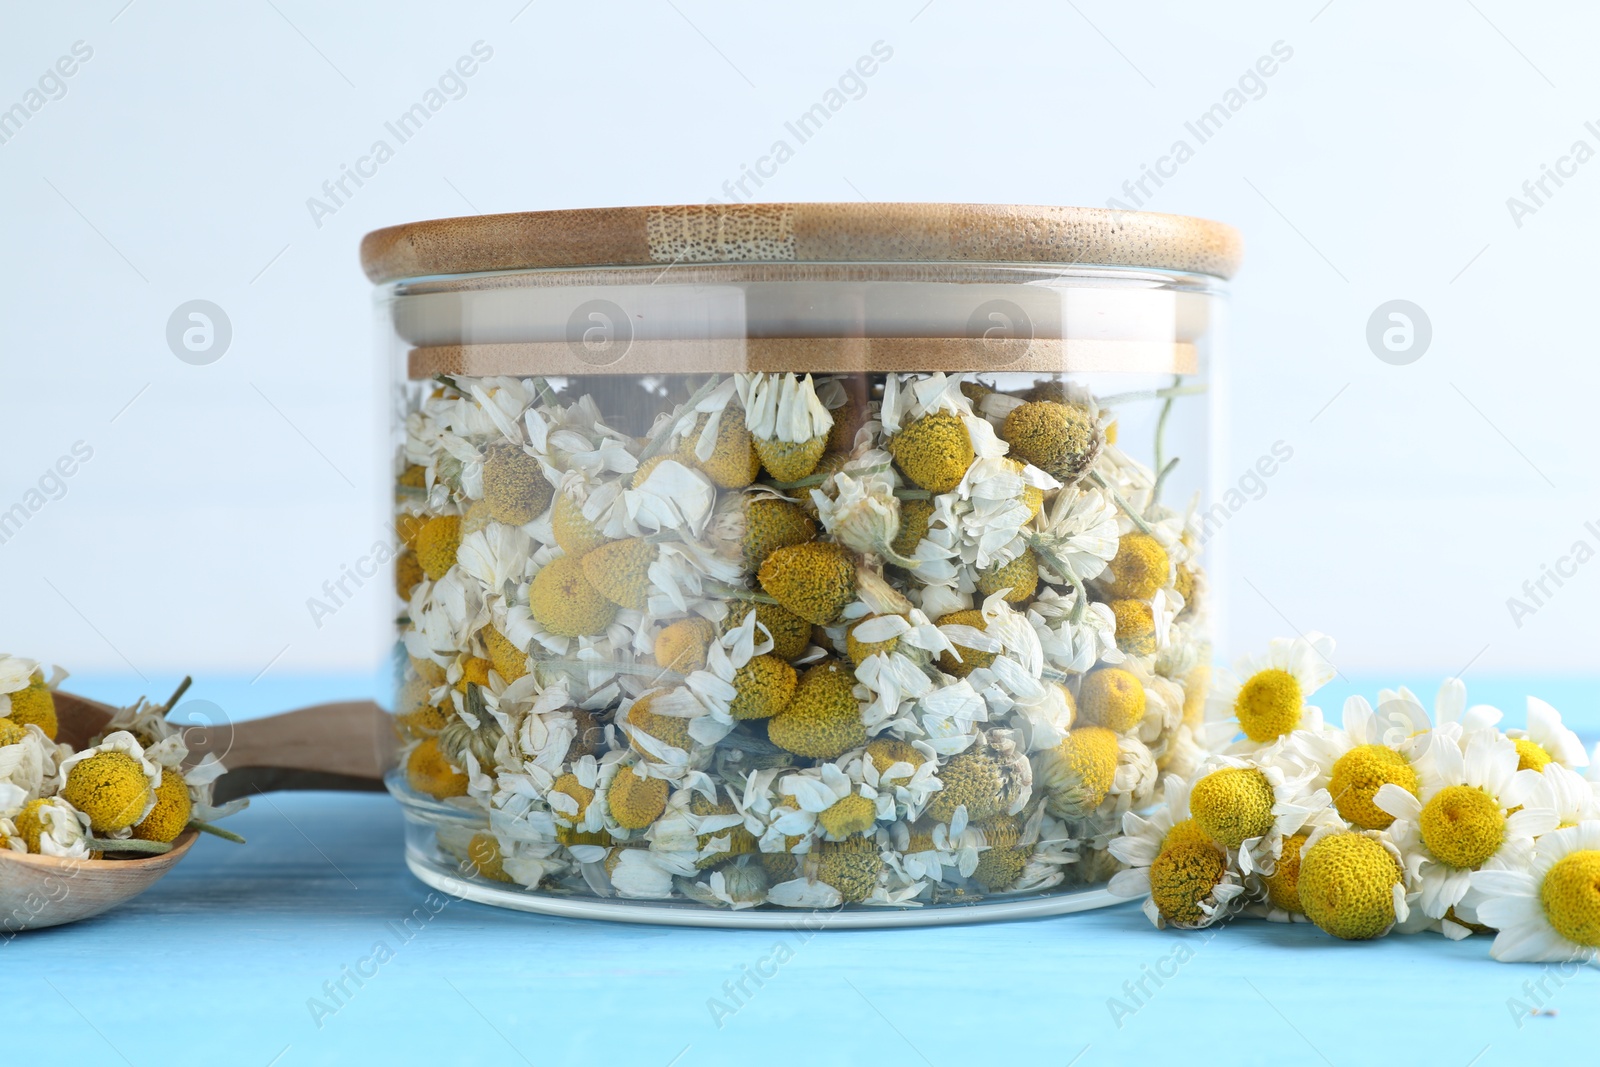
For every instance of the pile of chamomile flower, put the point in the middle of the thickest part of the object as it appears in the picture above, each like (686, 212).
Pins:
(1396, 821)
(884, 639)
(125, 793)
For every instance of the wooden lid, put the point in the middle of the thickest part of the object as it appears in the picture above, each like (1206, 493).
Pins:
(801, 233)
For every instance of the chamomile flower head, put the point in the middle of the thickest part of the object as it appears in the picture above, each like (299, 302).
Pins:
(1373, 748)
(1249, 806)
(1352, 883)
(574, 532)
(566, 603)
(764, 687)
(1017, 579)
(509, 661)
(681, 646)
(436, 543)
(1003, 853)
(27, 697)
(815, 581)
(514, 485)
(963, 659)
(989, 779)
(169, 815)
(722, 447)
(852, 867)
(1547, 740)
(1265, 696)
(620, 572)
(760, 522)
(1140, 567)
(823, 718)
(720, 832)
(1547, 911)
(1462, 822)
(1186, 878)
(934, 451)
(791, 635)
(1062, 439)
(1282, 886)
(50, 826)
(1112, 697)
(113, 783)
(429, 771)
(1136, 627)
(633, 799)
(786, 420)
(1076, 775)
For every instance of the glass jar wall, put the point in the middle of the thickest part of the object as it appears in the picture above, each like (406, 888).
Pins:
(727, 589)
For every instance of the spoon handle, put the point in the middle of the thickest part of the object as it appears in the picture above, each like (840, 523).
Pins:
(340, 746)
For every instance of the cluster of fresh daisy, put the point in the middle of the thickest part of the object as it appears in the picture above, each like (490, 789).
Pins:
(126, 792)
(890, 639)
(1394, 821)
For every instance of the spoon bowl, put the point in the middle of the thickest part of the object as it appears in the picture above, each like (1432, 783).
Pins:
(331, 746)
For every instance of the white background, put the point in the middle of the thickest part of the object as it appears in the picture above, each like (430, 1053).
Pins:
(1376, 166)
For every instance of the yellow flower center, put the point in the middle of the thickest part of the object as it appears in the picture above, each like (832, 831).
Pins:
(1269, 705)
(1283, 884)
(1346, 886)
(111, 788)
(848, 815)
(1233, 805)
(1463, 826)
(1357, 776)
(1571, 897)
(1181, 877)
(1187, 832)
(1113, 698)
(1531, 756)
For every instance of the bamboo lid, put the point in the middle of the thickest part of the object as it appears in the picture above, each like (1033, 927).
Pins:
(801, 233)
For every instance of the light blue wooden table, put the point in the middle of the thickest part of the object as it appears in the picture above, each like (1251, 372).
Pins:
(253, 955)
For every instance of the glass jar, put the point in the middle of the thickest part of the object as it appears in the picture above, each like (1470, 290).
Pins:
(834, 558)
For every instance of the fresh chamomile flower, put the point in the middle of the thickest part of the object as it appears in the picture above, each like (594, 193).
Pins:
(1352, 883)
(1566, 792)
(1547, 740)
(787, 422)
(1548, 910)
(1264, 697)
(1462, 822)
(1249, 806)
(1186, 880)
(1374, 748)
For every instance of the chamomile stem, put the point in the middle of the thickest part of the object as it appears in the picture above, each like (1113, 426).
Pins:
(1150, 394)
(1161, 438)
(812, 480)
(740, 593)
(131, 844)
(659, 440)
(177, 694)
(1127, 509)
(1161, 478)
(215, 831)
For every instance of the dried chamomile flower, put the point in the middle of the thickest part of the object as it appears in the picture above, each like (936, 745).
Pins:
(823, 718)
(681, 646)
(1018, 579)
(1140, 567)
(620, 570)
(514, 485)
(437, 542)
(852, 867)
(815, 581)
(428, 771)
(565, 603)
(791, 635)
(509, 661)
(1113, 698)
(787, 422)
(113, 783)
(964, 660)
(1076, 775)
(934, 451)
(26, 698)
(170, 813)
(634, 800)
(726, 454)
(1062, 440)
(764, 687)
(573, 532)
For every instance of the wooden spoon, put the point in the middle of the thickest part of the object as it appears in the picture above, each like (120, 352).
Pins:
(330, 746)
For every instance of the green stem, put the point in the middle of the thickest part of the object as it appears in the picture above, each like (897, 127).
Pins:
(741, 594)
(1150, 394)
(1127, 509)
(132, 844)
(172, 701)
(216, 831)
(1161, 479)
(812, 480)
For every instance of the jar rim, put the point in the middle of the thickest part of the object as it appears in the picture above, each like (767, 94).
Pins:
(801, 233)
